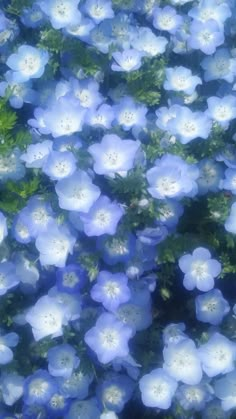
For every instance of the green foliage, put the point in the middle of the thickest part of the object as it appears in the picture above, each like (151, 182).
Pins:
(11, 135)
(123, 4)
(209, 147)
(15, 7)
(127, 188)
(7, 117)
(24, 189)
(174, 246)
(85, 57)
(145, 84)
(219, 207)
(51, 40)
(14, 195)
(90, 264)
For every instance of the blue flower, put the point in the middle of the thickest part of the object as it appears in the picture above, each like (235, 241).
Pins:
(152, 236)
(148, 43)
(188, 125)
(27, 271)
(71, 278)
(193, 397)
(210, 9)
(77, 385)
(57, 406)
(129, 114)
(11, 385)
(220, 66)
(127, 60)
(46, 318)
(86, 91)
(102, 218)
(85, 409)
(114, 392)
(229, 183)
(101, 117)
(119, 248)
(222, 109)
(8, 277)
(20, 230)
(157, 389)
(180, 79)
(109, 338)
(166, 19)
(217, 355)
(55, 246)
(11, 168)
(205, 36)
(3, 227)
(20, 93)
(32, 17)
(174, 333)
(135, 315)
(181, 361)
(59, 164)
(224, 389)
(199, 269)
(210, 176)
(77, 192)
(172, 177)
(62, 13)
(111, 290)
(228, 156)
(65, 117)
(6, 342)
(27, 63)
(211, 307)
(71, 302)
(99, 10)
(38, 388)
(62, 360)
(37, 216)
(113, 155)
(36, 154)
(169, 213)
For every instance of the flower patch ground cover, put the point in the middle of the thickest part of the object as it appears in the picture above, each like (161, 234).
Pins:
(117, 209)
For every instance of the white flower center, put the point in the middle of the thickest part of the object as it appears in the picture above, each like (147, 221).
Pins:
(70, 279)
(199, 269)
(112, 289)
(159, 389)
(109, 339)
(40, 216)
(221, 66)
(193, 395)
(189, 127)
(103, 218)
(166, 22)
(205, 37)
(61, 10)
(67, 124)
(38, 387)
(62, 168)
(222, 112)
(30, 64)
(97, 10)
(57, 401)
(128, 117)
(167, 186)
(113, 395)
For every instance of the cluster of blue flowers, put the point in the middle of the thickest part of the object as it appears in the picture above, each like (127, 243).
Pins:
(118, 210)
